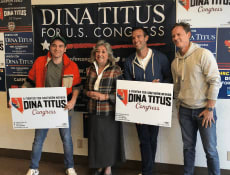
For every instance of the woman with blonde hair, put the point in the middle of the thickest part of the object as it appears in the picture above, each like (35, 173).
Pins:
(106, 143)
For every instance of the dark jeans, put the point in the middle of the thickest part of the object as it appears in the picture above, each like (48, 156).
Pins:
(190, 123)
(40, 135)
(148, 144)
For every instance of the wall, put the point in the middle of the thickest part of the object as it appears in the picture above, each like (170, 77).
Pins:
(169, 141)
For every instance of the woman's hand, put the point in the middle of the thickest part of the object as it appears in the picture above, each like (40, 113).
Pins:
(97, 95)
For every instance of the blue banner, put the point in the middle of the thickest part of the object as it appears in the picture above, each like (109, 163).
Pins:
(18, 64)
(19, 42)
(225, 89)
(205, 37)
(223, 48)
(84, 24)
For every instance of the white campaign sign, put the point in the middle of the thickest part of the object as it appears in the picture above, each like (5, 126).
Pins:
(204, 13)
(34, 108)
(144, 102)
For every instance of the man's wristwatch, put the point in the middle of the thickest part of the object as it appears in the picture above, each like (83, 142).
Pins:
(210, 109)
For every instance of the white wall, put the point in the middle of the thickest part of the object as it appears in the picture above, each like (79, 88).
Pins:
(169, 141)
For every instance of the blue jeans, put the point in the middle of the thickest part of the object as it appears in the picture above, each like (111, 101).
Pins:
(190, 123)
(148, 144)
(40, 135)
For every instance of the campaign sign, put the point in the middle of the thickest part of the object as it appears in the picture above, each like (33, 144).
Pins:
(203, 13)
(19, 42)
(144, 102)
(223, 48)
(15, 16)
(205, 38)
(18, 64)
(224, 92)
(34, 108)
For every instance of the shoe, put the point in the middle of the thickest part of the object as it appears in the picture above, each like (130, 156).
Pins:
(71, 171)
(32, 172)
(97, 172)
(108, 174)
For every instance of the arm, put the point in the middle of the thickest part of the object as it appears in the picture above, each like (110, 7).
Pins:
(210, 70)
(117, 74)
(86, 91)
(97, 95)
(75, 89)
(70, 104)
(27, 84)
(208, 115)
(30, 80)
(90, 93)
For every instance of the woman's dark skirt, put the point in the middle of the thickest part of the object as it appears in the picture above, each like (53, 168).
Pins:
(105, 142)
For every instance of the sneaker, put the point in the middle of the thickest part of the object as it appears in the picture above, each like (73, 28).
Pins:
(32, 172)
(71, 171)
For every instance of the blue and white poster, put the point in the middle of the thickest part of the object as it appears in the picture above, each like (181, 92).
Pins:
(205, 37)
(18, 64)
(15, 81)
(224, 92)
(19, 42)
(223, 48)
(223, 59)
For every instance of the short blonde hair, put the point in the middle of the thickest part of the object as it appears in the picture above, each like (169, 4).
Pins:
(111, 59)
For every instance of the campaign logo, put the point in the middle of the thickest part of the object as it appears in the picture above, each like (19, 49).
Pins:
(227, 44)
(11, 26)
(17, 103)
(185, 4)
(122, 94)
